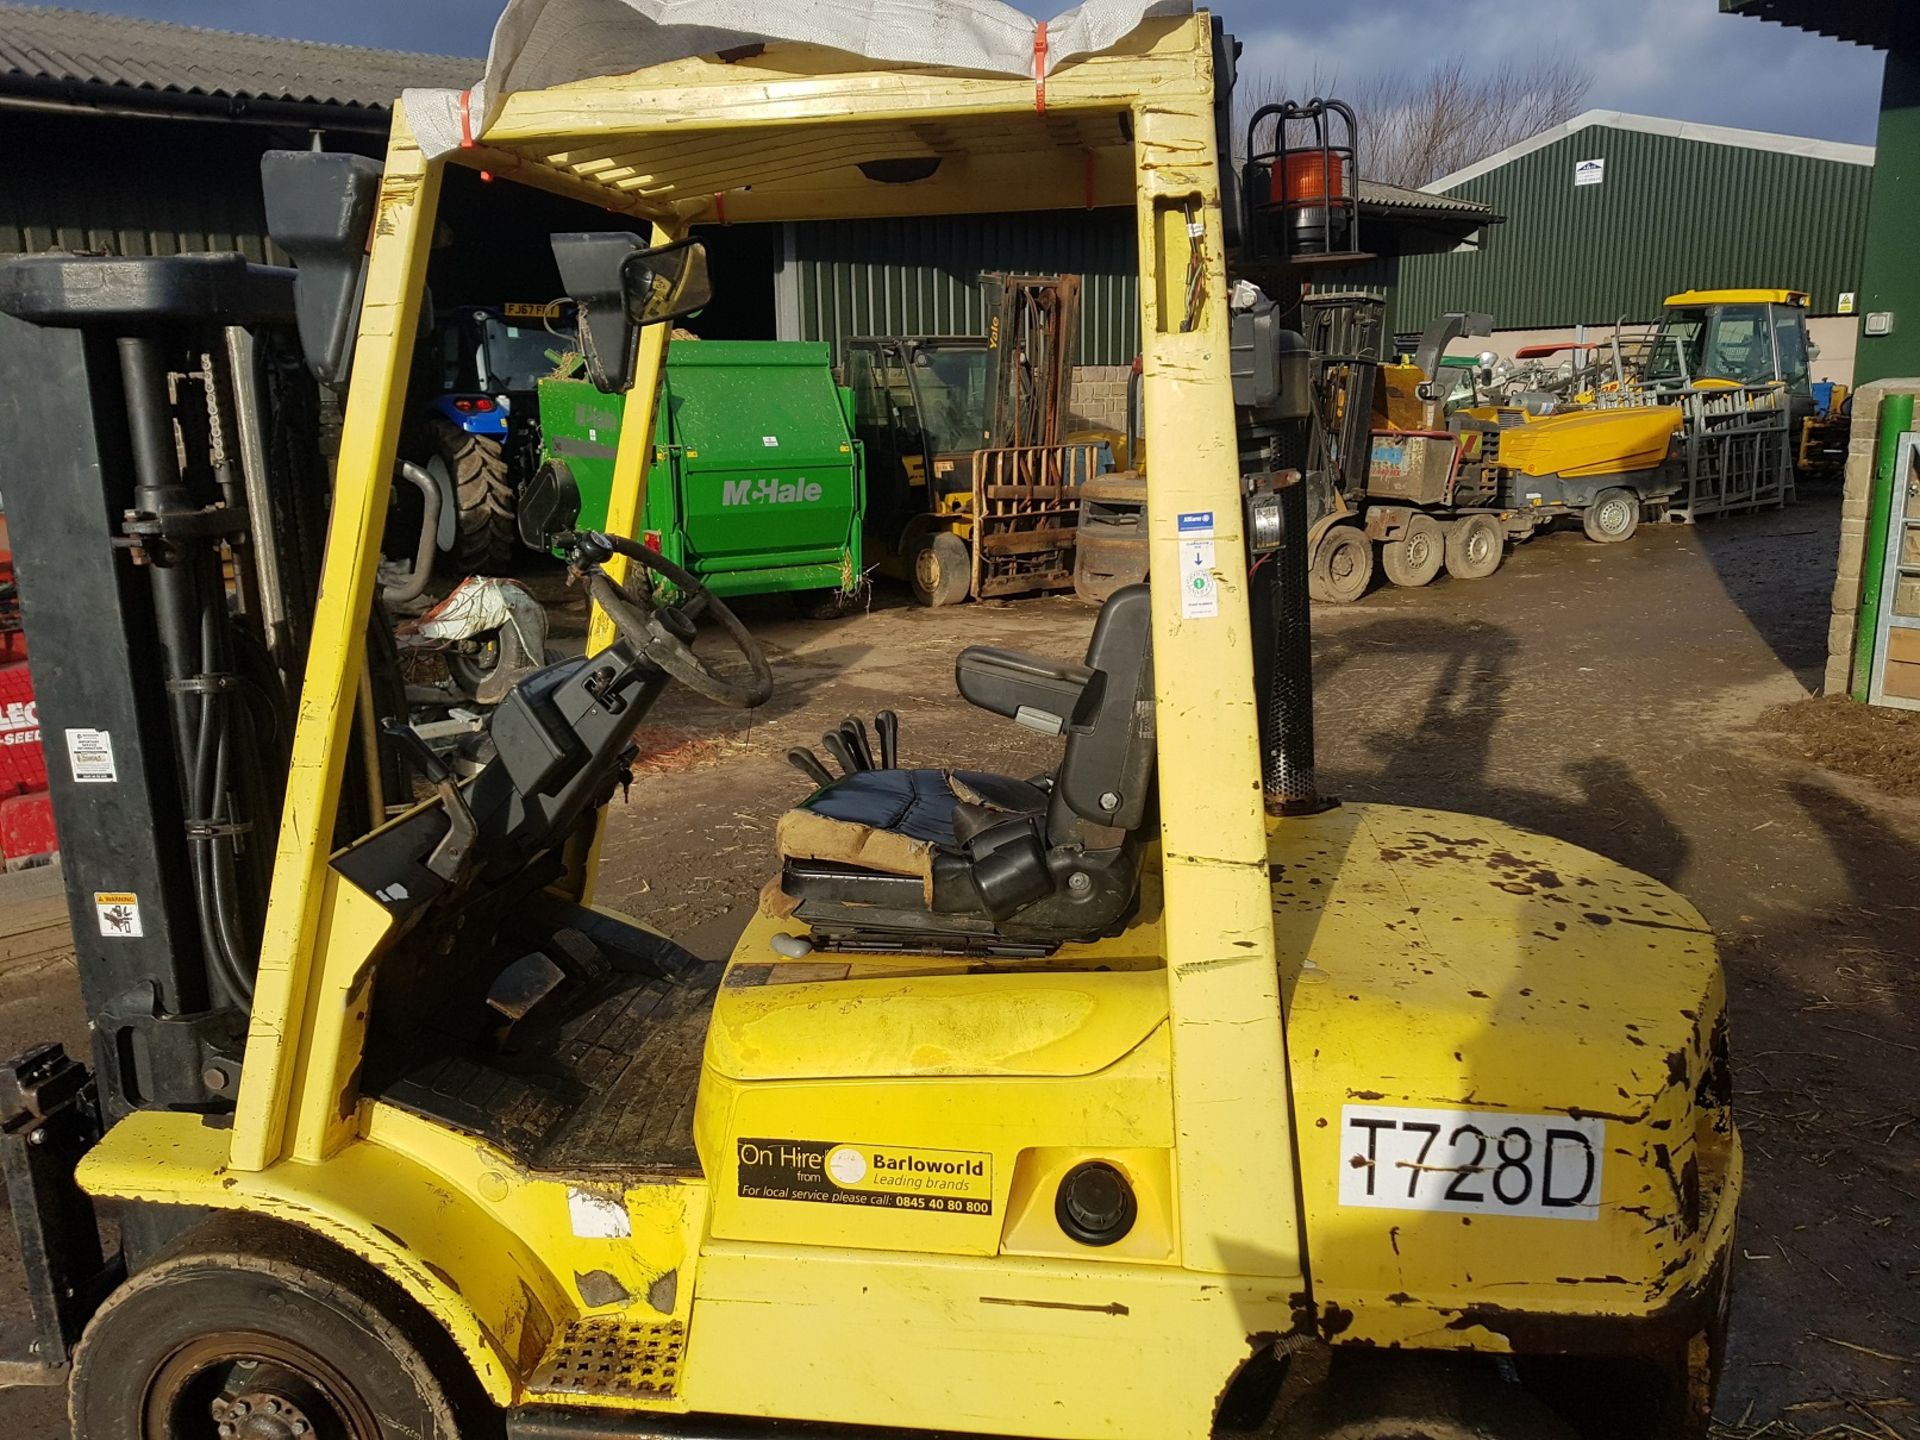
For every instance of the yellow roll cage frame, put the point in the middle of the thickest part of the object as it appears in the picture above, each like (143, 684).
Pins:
(1131, 126)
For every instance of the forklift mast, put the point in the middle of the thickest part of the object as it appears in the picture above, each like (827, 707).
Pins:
(1033, 332)
(167, 502)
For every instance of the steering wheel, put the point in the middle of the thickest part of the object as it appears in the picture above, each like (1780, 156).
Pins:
(665, 633)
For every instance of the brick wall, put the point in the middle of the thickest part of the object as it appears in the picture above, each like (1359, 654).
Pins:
(1099, 397)
(1862, 453)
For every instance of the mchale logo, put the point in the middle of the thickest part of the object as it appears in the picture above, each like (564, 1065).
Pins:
(769, 492)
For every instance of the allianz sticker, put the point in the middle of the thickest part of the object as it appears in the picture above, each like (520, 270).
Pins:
(90, 754)
(1472, 1162)
(118, 912)
(883, 1177)
(1199, 585)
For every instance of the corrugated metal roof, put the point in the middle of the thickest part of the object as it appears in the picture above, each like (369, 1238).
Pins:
(1396, 201)
(1671, 211)
(42, 44)
(1879, 23)
(1655, 125)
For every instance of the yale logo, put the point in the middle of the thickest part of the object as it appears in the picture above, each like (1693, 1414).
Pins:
(769, 492)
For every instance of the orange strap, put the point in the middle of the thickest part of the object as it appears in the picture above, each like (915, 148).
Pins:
(1040, 68)
(466, 119)
(720, 207)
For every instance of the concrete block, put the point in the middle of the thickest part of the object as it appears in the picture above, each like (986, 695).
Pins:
(1839, 671)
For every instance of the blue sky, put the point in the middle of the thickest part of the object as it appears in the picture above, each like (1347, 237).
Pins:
(1676, 58)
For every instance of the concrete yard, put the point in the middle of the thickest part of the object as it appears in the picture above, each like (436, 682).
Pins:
(1603, 694)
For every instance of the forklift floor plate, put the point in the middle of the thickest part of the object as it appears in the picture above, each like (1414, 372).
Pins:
(610, 1356)
(606, 1084)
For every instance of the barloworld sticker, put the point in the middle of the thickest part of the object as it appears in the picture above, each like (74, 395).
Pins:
(887, 1177)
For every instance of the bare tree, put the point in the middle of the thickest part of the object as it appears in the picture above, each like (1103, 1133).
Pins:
(1419, 123)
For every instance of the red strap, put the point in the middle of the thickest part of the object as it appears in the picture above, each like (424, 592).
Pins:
(1040, 68)
(720, 207)
(466, 119)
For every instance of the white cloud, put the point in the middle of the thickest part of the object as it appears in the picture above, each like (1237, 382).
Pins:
(1677, 58)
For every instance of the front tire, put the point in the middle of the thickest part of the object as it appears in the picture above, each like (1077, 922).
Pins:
(276, 1322)
(1342, 566)
(475, 467)
(942, 570)
(1613, 516)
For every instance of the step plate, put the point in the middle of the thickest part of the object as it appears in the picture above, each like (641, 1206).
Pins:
(612, 1358)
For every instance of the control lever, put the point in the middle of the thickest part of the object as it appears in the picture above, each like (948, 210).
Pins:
(451, 853)
(887, 725)
(808, 764)
(837, 747)
(854, 732)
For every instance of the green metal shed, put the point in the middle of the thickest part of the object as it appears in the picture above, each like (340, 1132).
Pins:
(1611, 213)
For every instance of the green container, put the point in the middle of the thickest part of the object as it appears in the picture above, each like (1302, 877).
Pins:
(757, 483)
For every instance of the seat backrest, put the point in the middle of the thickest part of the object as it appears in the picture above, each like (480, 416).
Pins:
(1106, 772)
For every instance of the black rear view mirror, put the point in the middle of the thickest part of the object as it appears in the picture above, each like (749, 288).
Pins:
(320, 211)
(666, 282)
(591, 272)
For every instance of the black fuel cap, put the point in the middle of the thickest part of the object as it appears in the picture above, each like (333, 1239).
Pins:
(1095, 1205)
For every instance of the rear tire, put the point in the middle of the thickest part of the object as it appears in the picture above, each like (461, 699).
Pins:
(942, 570)
(484, 534)
(1415, 558)
(1613, 516)
(1475, 547)
(255, 1313)
(1342, 566)
(1414, 1398)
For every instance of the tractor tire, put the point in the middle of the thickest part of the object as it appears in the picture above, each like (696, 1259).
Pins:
(1415, 558)
(942, 570)
(1342, 567)
(1613, 516)
(1475, 547)
(484, 536)
(278, 1323)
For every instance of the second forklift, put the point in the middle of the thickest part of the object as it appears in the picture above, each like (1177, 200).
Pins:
(973, 491)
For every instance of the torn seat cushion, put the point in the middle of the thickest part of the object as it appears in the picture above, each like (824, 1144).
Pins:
(893, 821)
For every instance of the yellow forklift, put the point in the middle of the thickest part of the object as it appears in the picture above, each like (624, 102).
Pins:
(1157, 1096)
(973, 485)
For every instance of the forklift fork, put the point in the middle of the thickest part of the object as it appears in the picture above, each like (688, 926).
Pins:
(49, 1118)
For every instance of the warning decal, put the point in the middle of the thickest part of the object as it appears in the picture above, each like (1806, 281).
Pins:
(90, 753)
(889, 1177)
(118, 913)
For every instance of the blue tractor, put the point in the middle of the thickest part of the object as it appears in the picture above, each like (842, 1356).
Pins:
(476, 426)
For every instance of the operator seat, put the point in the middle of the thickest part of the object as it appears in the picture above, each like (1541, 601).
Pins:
(935, 859)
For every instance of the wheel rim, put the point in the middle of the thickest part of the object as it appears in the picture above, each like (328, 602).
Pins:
(1479, 546)
(926, 569)
(1615, 516)
(242, 1385)
(1419, 550)
(1342, 565)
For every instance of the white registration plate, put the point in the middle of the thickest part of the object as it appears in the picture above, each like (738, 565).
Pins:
(1471, 1162)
